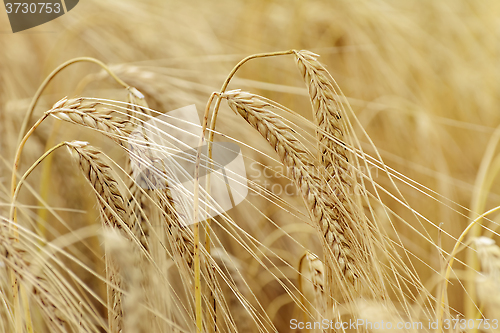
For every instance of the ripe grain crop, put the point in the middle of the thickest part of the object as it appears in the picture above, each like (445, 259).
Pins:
(385, 131)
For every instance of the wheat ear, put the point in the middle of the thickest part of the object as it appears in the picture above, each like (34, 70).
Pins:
(338, 176)
(337, 231)
(329, 117)
(99, 175)
(113, 212)
(93, 114)
(311, 285)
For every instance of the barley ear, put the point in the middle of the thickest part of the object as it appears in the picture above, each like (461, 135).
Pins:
(338, 164)
(113, 212)
(93, 114)
(335, 222)
(311, 285)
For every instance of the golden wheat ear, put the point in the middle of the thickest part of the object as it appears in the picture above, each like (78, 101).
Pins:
(339, 166)
(344, 253)
(332, 132)
(93, 114)
(311, 285)
(114, 215)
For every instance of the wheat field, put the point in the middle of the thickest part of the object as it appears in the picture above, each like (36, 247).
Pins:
(259, 166)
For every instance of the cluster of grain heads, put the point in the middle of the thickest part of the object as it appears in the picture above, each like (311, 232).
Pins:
(145, 229)
(133, 215)
(128, 215)
(106, 119)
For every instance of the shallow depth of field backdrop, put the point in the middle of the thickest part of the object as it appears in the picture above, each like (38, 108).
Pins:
(422, 77)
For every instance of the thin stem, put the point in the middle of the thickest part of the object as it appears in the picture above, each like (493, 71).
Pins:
(27, 173)
(49, 78)
(197, 277)
(16, 288)
(17, 161)
(210, 316)
(198, 161)
(13, 219)
(45, 182)
(224, 87)
(27, 312)
(216, 111)
(196, 229)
